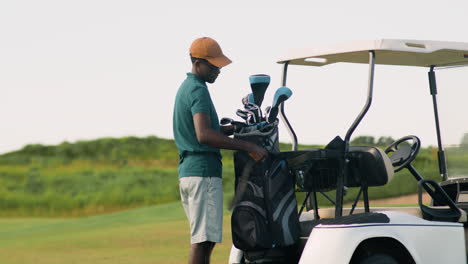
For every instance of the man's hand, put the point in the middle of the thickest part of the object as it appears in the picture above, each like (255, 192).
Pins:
(257, 153)
(206, 135)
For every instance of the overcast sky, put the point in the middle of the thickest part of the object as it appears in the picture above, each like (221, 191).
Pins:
(74, 70)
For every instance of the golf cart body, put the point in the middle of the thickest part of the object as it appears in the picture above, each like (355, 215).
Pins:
(370, 235)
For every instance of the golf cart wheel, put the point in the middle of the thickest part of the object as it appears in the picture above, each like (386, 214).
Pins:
(378, 258)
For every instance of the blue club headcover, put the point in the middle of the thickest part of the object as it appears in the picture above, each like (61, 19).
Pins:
(259, 83)
(281, 95)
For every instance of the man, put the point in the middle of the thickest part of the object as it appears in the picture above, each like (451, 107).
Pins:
(198, 138)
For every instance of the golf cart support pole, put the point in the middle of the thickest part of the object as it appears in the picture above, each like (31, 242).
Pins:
(342, 176)
(283, 115)
(440, 152)
(292, 134)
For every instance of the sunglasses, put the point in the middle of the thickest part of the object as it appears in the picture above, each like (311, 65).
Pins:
(212, 67)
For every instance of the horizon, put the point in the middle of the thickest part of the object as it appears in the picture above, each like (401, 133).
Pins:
(171, 139)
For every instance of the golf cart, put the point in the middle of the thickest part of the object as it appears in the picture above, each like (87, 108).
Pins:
(374, 235)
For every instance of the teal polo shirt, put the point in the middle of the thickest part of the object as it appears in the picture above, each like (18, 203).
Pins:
(195, 159)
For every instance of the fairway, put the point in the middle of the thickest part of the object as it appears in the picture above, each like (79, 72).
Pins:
(157, 234)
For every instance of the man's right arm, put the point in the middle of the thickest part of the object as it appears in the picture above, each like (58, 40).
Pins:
(206, 135)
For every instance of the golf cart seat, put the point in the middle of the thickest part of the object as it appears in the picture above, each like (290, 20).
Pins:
(369, 166)
(317, 169)
(360, 218)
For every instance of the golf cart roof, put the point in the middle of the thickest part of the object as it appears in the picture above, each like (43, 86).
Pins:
(405, 52)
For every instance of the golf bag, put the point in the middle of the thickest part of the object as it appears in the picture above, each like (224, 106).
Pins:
(264, 219)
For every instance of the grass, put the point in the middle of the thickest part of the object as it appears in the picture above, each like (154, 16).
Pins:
(81, 189)
(105, 176)
(84, 187)
(91, 177)
(108, 175)
(156, 234)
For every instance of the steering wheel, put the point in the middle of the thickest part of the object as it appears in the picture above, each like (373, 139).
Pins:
(403, 154)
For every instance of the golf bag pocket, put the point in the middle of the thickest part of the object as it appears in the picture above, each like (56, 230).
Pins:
(249, 221)
(250, 227)
(282, 204)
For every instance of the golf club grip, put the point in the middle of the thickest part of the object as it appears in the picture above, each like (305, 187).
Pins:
(272, 115)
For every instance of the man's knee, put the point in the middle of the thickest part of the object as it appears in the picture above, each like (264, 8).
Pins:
(203, 246)
(201, 252)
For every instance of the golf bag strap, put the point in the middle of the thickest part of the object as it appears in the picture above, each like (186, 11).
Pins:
(242, 183)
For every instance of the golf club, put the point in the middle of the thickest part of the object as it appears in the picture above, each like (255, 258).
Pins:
(251, 119)
(267, 112)
(242, 114)
(281, 95)
(259, 83)
(226, 121)
(248, 99)
(255, 109)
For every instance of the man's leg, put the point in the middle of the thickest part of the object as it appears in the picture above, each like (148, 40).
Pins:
(202, 198)
(200, 253)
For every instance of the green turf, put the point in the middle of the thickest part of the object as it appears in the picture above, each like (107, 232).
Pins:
(157, 234)
(107, 175)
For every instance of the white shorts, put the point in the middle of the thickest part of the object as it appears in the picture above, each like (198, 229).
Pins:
(202, 198)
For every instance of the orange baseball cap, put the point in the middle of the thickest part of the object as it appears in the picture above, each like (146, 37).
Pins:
(208, 49)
